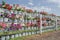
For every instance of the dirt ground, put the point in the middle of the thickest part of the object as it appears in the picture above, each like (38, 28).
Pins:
(46, 36)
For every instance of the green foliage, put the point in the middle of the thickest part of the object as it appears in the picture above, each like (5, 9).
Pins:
(0, 26)
(3, 3)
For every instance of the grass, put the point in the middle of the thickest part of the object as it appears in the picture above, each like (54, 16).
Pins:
(21, 31)
(24, 37)
(20, 38)
(16, 32)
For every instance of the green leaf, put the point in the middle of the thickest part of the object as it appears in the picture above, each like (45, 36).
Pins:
(3, 3)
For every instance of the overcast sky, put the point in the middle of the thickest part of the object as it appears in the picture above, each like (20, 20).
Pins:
(50, 6)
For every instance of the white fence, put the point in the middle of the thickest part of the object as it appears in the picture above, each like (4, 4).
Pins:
(32, 29)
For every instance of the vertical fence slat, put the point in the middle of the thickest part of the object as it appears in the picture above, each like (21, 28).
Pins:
(41, 24)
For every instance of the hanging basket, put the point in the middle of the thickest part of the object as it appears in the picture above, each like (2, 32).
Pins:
(45, 24)
(43, 18)
(3, 25)
(13, 16)
(43, 13)
(29, 11)
(52, 14)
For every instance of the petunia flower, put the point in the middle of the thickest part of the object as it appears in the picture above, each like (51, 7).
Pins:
(12, 16)
(9, 7)
(19, 26)
(3, 25)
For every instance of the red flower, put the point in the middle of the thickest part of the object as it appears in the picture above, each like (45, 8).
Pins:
(29, 10)
(6, 6)
(29, 24)
(9, 7)
(44, 13)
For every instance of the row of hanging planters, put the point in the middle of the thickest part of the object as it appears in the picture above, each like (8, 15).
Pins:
(18, 17)
(4, 26)
(12, 26)
(10, 7)
(47, 21)
(14, 7)
(13, 17)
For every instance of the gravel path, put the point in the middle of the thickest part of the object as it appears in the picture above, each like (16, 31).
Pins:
(46, 36)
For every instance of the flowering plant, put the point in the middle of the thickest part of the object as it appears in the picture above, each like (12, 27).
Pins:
(18, 8)
(7, 6)
(3, 25)
(38, 23)
(43, 13)
(43, 18)
(12, 16)
(44, 24)
(29, 24)
(29, 10)
(52, 14)
(15, 26)
(6, 15)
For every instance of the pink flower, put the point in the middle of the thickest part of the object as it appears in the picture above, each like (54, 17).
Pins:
(16, 26)
(0, 23)
(3, 24)
(9, 16)
(12, 15)
(19, 26)
(13, 25)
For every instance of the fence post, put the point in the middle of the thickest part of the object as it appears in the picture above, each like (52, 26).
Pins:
(41, 24)
(56, 23)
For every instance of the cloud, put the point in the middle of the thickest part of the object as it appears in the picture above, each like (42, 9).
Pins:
(30, 0)
(54, 1)
(42, 8)
(45, 8)
(58, 6)
(27, 7)
(30, 3)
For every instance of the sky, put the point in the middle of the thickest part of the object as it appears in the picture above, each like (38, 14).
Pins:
(50, 6)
